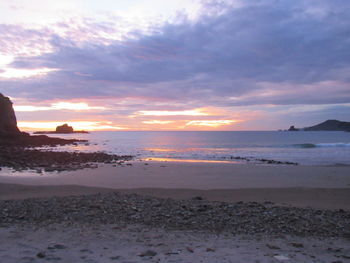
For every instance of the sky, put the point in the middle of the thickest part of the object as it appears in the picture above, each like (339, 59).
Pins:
(175, 64)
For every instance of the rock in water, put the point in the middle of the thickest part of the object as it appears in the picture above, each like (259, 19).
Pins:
(64, 129)
(8, 122)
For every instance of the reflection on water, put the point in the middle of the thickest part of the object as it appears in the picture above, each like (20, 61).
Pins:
(187, 160)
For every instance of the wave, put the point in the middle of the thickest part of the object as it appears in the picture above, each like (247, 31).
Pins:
(316, 145)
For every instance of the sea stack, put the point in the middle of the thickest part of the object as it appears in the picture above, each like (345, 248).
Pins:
(8, 121)
(64, 129)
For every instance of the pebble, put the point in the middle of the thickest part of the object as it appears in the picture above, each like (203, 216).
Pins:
(124, 209)
(148, 253)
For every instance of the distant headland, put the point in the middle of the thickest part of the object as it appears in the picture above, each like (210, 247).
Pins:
(62, 129)
(329, 125)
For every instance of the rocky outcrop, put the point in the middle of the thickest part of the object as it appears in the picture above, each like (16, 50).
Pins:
(64, 129)
(292, 128)
(330, 125)
(8, 122)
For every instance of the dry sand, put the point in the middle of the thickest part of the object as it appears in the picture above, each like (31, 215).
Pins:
(109, 243)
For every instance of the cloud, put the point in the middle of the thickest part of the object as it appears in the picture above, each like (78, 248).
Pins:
(232, 54)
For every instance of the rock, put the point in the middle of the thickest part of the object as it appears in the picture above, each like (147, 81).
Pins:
(292, 128)
(148, 253)
(8, 121)
(41, 255)
(272, 246)
(298, 245)
(198, 198)
(57, 246)
(64, 129)
(189, 249)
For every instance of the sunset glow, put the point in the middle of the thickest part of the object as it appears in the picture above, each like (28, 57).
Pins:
(175, 65)
(210, 123)
(195, 112)
(157, 122)
(77, 125)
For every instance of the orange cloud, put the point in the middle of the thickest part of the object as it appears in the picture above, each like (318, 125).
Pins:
(157, 122)
(195, 112)
(210, 123)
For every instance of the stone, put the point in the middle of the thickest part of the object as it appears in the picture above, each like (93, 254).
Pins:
(272, 246)
(298, 245)
(57, 246)
(148, 253)
(41, 255)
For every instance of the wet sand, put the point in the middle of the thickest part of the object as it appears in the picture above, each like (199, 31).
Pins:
(303, 186)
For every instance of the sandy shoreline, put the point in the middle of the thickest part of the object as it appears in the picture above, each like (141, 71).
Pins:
(324, 187)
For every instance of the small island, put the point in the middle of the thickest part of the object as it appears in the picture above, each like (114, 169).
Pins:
(329, 125)
(62, 129)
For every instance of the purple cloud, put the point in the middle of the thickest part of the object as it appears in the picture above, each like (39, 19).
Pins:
(264, 52)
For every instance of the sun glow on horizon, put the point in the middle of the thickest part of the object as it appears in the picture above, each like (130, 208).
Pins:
(210, 123)
(157, 122)
(77, 125)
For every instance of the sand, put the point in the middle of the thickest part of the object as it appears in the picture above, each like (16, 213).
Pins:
(109, 243)
(305, 186)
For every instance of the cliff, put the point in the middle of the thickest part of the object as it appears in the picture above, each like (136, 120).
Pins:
(330, 125)
(8, 121)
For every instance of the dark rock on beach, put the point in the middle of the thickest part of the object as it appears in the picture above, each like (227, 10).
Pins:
(21, 159)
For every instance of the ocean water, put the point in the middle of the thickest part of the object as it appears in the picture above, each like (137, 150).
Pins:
(305, 148)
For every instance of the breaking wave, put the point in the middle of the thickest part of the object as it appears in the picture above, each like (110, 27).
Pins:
(316, 145)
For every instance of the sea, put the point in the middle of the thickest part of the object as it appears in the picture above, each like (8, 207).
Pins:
(302, 147)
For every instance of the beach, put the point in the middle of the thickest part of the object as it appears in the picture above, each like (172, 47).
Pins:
(313, 186)
(177, 212)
